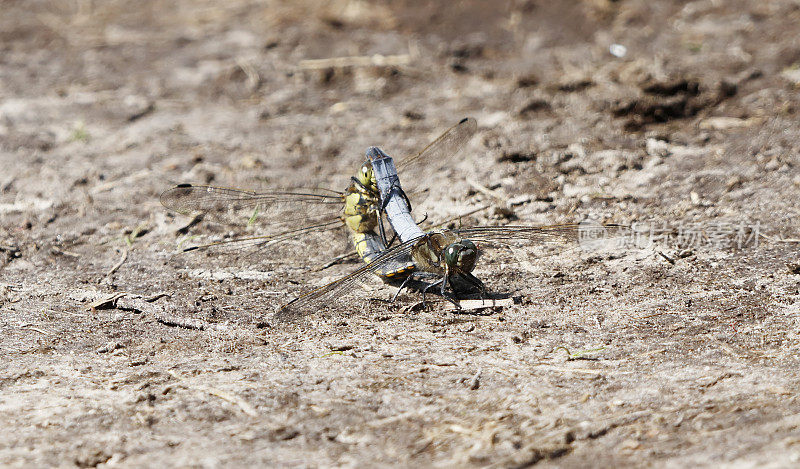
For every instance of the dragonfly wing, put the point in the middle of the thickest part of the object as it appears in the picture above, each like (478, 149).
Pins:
(547, 239)
(276, 216)
(243, 207)
(340, 288)
(503, 233)
(499, 235)
(248, 245)
(445, 146)
(564, 233)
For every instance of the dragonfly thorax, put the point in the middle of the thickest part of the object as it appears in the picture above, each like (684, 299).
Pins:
(444, 252)
(360, 208)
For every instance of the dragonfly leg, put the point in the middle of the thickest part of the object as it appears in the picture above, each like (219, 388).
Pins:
(402, 286)
(450, 296)
(355, 181)
(404, 196)
(391, 241)
(381, 230)
(411, 277)
(475, 282)
(396, 187)
(429, 286)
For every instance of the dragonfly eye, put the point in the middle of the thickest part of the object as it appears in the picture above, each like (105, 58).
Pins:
(451, 255)
(467, 256)
(366, 177)
(461, 255)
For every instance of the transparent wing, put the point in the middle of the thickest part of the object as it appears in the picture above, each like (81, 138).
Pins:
(524, 246)
(586, 234)
(548, 233)
(445, 146)
(274, 216)
(244, 207)
(249, 245)
(494, 235)
(336, 290)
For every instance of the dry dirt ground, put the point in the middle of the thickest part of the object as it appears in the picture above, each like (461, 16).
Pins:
(670, 355)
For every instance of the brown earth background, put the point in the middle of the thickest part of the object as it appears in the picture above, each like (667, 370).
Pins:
(662, 356)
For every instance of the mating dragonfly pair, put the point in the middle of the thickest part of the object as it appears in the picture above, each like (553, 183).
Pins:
(445, 254)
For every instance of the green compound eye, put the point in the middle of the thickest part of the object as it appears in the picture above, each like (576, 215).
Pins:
(467, 256)
(461, 255)
(468, 245)
(451, 254)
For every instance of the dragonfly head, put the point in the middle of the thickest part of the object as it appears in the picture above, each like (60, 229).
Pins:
(461, 255)
(366, 177)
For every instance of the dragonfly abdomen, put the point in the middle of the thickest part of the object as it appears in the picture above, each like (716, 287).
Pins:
(392, 196)
(369, 247)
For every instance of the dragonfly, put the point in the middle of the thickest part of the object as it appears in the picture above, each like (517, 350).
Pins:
(444, 254)
(449, 254)
(294, 214)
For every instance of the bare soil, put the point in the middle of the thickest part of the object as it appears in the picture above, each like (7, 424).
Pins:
(664, 356)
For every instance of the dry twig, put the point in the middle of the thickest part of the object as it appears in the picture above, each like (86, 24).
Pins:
(467, 305)
(485, 190)
(230, 397)
(356, 61)
(118, 264)
(31, 328)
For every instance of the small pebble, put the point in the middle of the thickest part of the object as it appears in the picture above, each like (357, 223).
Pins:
(109, 347)
(618, 50)
(475, 382)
